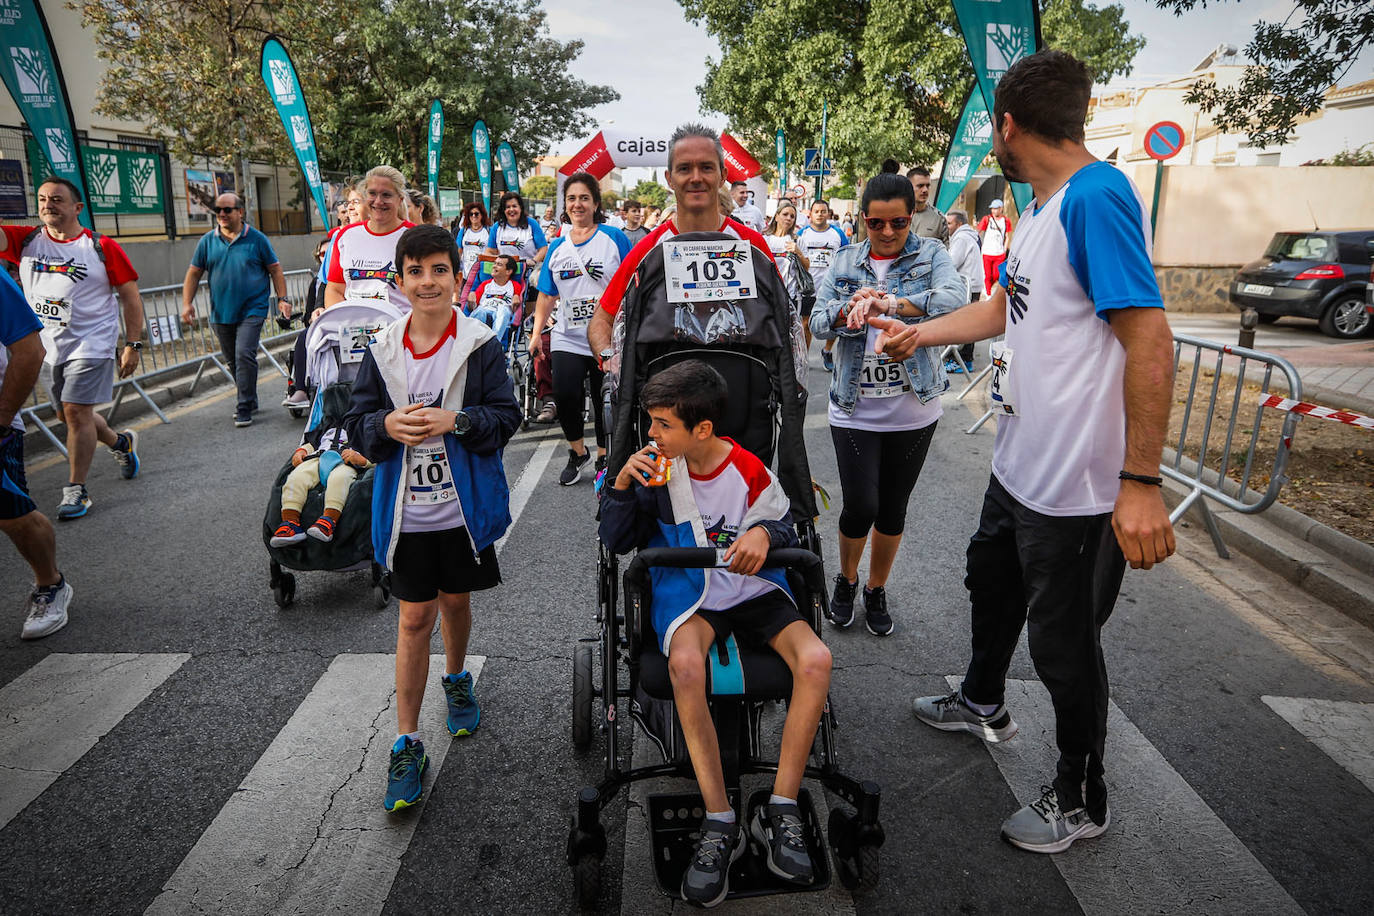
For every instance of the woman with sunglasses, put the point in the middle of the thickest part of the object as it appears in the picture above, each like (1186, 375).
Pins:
(473, 231)
(882, 413)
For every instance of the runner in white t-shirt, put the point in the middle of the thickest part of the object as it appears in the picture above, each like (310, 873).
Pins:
(819, 239)
(745, 212)
(362, 264)
(515, 233)
(579, 265)
(473, 232)
(80, 285)
(782, 241)
(1081, 387)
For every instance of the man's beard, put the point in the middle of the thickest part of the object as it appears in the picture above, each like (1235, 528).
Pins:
(1011, 165)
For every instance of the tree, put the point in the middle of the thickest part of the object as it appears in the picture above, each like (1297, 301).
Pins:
(893, 73)
(609, 200)
(539, 187)
(484, 59)
(1296, 62)
(189, 69)
(649, 193)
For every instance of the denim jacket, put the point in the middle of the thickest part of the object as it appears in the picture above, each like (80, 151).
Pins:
(923, 274)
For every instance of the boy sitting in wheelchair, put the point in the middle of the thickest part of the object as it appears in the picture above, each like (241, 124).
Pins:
(717, 494)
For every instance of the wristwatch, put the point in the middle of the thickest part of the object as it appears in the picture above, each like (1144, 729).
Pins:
(461, 424)
(135, 344)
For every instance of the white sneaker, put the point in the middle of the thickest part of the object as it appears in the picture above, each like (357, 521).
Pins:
(47, 610)
(297, 398)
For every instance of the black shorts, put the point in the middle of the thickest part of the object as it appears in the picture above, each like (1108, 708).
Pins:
(756, 621)
(807, 304)
(429, 562)
(14, 487)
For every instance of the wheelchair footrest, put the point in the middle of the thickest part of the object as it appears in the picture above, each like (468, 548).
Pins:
(673, 824)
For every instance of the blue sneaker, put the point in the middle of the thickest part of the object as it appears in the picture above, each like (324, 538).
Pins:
(463, 713)
(827, 360)
(125, 451)
(403, 776)
(76, 502)
(952, 367)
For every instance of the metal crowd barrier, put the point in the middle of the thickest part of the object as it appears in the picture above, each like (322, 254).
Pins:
(172, 346)
(1241, 444)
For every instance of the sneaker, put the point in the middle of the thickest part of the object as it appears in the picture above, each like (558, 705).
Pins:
(707, 879)
(876, 617)
(287, 533)
(952, 367)
(76, 502)
(297, 398)
(1042, 827)
(548, 412)
(953, 714)
(827, 360)
(968, 366)
(463, 712)
(842, 601)
(323, 529)
(125, 452)
(404, 775)
(778, 830)
(573, 472)
(47, 610)
(243, 419)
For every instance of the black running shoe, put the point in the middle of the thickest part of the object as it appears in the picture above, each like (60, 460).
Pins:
(842, 601)
(573, 472)
(876, 617)
(707, 878)
(778, 829)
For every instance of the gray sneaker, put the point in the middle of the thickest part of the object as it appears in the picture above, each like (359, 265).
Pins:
(47, 610)
(76, 502)
(706, 881)
(1042, 827)
(778, 829)
(952, 714)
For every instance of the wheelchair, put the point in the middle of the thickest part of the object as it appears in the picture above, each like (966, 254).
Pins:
(622, 670)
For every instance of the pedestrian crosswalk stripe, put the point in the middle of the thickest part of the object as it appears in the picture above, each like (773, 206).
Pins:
(306, 832)
(1344, 731)
(525, 484)
(57, 710)
(1166, 850)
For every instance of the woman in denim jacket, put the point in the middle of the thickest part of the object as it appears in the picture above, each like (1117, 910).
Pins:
(882, 413)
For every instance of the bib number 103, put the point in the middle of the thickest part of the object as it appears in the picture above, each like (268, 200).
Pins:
(711, 270)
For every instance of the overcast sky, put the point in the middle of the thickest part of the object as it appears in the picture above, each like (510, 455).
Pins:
(655, 59)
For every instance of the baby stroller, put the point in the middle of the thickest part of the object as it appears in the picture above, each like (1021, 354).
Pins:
(749, 341)
(335, 346)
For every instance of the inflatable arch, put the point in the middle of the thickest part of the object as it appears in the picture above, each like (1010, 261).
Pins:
(611, 149)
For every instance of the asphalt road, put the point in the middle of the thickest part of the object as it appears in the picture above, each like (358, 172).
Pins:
(190, 747)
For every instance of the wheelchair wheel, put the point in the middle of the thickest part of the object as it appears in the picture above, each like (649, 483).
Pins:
(381, 586)
(285, 590)
(582, 697)
(297, 412)
(587, 880)
(858, 864)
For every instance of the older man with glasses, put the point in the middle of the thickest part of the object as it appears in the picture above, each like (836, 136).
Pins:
(240, 261)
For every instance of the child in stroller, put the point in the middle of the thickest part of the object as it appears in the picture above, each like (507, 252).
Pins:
(496, 300)
(322, 458)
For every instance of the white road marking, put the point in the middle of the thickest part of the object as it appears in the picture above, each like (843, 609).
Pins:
(1165, 850)
(305, 832)
(1344, 731)
(525, 484)
(57, 710)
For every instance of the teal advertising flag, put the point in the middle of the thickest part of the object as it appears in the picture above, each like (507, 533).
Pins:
(32, 76)
(505, 156)
(481, 151)
(436, 145)
(998, 33)
(780, 142)
(968, 147)
(279, 75)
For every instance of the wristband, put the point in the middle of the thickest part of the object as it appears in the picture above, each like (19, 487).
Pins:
(894, 305)
(1141, 478)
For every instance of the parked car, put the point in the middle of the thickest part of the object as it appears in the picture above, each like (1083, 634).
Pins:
(1321, 274)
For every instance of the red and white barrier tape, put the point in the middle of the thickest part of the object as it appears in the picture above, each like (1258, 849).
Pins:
(1313, 410)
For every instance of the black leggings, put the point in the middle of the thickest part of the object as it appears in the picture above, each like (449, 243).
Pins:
(569, 370)
(878, 471)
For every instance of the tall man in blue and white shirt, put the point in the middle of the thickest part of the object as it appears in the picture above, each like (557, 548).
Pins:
(1082, 389)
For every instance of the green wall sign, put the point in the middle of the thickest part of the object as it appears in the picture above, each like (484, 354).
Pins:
(117, 181)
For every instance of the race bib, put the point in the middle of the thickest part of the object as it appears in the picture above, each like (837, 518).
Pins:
(429, 480)
(354, 341)
(1000, 391)
(821, 257)
(580, 311)
(54, 312)
(708, 271)
(881, 377)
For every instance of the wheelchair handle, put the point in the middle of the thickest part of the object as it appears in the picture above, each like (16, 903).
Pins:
(803, 561)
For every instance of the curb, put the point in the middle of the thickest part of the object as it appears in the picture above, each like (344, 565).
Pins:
(1329, 565)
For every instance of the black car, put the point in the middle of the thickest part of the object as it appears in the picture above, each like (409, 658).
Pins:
(1321, 274)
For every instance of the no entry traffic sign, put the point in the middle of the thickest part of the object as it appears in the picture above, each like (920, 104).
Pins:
(1163, 141)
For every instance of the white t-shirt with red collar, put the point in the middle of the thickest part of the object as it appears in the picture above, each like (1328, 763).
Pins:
(723, 499)
(71, 289)
(365, 263)
(431, 499)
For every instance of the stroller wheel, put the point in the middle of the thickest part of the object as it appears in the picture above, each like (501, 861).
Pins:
(297, 412)
(582, 697)
(381, 593)
(587, 880)
(285, 590)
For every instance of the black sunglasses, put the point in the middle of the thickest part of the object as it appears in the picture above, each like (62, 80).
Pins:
(224, 209)
(898, 224)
